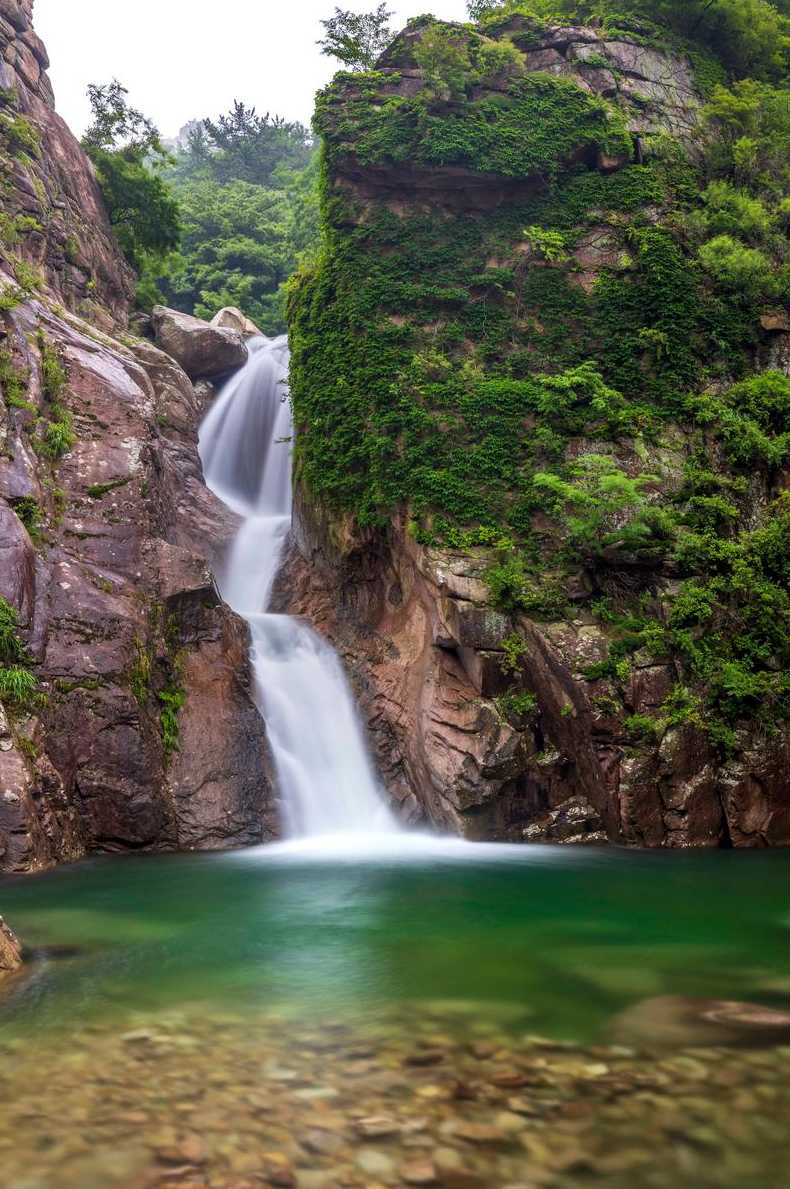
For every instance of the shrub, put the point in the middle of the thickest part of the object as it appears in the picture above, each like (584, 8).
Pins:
(53, 373)
(641, 726)
(516, 705)
(28, 277)
(731, 211)
(172, 701)
(14, 227)
(548, 245)
(21, 136)
(738, 268)
(29, 512)
(58, 437)
(10, 298)
(10, 644)
(513, 648)
(13, 382)
(604, 509)
(17, 686)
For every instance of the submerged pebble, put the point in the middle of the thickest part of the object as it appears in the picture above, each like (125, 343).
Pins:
(256, 1100)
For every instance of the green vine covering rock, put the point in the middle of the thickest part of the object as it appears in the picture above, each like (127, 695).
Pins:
(539, 325)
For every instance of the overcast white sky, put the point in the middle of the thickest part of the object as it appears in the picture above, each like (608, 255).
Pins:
(182, 59)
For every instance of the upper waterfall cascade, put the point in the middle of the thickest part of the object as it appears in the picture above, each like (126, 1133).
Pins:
(326, 779)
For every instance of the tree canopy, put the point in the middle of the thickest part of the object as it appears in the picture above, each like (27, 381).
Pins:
(243, 146)
(127, 152)
(357, 39)
(246, 188)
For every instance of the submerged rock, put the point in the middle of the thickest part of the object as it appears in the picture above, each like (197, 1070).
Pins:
(678, 1021)
(202, 349)
(10, 950)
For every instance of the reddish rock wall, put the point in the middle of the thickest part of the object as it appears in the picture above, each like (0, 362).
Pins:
(117, 606)
(103, 549)
(50, 180)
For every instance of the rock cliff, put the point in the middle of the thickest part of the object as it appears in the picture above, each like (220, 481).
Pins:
(126, 715)
(532, 510)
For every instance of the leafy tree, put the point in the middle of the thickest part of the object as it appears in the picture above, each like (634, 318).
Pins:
(742, 269)
(243, 146)
(444, 60)
(751, 126)
(478, 9)
(118, 126)
(127, 151)
(357, 39)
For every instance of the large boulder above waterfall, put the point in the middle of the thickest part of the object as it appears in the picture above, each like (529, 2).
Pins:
(202, 350)
(232, 318)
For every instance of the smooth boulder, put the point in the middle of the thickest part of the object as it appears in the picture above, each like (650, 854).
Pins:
(678, 1021)
(10, 950)
(202, 350)
(232, 318)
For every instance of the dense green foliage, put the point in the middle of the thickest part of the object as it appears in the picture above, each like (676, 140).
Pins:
(568, 418)
(750, 37)
(245, 185)
(221, 222)
(535, 129)
(128, 154)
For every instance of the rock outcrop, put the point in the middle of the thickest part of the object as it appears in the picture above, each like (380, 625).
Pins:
(10, 950)
(506, 237)
(204, 350)
(232, 318)
(146, 735)
(53, 215)
(127, 719)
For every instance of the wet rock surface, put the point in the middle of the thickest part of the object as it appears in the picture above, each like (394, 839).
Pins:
(436, 1096)
(203, 349)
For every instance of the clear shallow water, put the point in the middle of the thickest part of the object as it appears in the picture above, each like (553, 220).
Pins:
(559, 940)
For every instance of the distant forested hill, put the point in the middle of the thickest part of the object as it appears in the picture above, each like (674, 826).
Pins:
(245, 184)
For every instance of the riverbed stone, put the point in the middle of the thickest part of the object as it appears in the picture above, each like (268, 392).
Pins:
(10, 950)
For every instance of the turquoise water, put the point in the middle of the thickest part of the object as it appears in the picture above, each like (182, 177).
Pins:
(563, 939)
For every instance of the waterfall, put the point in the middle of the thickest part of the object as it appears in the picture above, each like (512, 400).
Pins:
(326, 779)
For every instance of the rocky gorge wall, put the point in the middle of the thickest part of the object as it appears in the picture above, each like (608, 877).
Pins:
(126, 712)
(506, 510)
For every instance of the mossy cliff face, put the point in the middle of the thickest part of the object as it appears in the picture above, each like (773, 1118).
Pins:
(546, 429)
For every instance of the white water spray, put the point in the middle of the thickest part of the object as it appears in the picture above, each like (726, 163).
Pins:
(327, 783)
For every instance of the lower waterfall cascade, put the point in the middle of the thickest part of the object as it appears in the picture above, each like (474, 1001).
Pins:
(327, 783)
